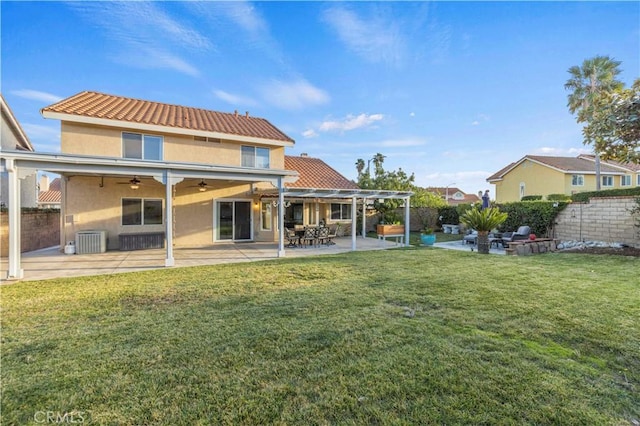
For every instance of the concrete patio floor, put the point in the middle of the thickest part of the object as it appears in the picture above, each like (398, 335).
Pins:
(460, 245)
(52, 263)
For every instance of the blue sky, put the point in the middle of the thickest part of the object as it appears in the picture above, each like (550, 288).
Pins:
(451, 91)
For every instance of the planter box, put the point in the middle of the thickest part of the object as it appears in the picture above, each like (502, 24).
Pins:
(390, 229)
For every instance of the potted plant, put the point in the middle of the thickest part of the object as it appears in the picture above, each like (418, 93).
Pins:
(483, 221)
(427, 237)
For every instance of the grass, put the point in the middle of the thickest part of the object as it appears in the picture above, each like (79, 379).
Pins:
(409, 336)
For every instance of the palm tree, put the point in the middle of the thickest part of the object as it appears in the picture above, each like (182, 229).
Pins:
(359, 166)
(483, 221)
(589, 82)
(378, 159)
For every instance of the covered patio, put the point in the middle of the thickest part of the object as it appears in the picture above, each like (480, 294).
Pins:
(52, 263)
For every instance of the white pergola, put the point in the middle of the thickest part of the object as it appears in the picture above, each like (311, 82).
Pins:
(20, 164)
(344, 194)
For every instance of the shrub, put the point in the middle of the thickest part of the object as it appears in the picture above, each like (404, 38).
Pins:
(448, 215)
(584, 196)
(531, 198)
(539, 215)
(559, 197)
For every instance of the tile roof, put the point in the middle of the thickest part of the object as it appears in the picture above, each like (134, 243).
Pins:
(566, 164)
(573, 164)
(629, 166)
(109, 107)
(315, 173)
(53, 195)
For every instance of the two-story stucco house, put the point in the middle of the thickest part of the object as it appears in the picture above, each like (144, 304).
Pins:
(148, 174)
(545, 175)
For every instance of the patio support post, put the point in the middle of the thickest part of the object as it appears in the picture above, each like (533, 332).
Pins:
(169, 261)
(354, 223)
(364, 217)
(407, 220)
(280, 217)
(14, 272)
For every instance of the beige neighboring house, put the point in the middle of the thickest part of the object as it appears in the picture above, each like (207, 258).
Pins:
(142, 174)
(454, 196)
(49, 194)
(13, 137)
(545, 175)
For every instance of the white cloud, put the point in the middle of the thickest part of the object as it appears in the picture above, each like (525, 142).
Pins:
(562, 152)
(310, 133)
(144, 33)
(412, 114)
(36, 95)
(351, 122)
(234, 99)
(481, 118)
(376, 39)
(293, 95)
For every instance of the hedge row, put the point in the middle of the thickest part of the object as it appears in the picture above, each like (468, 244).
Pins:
(582, 197)
(538, 215)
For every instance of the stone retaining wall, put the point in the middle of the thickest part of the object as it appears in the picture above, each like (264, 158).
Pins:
(601, 219)
(529, 247)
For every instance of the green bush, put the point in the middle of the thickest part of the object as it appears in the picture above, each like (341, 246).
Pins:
(539, 215)
(582, 197)
(558, 197)
(448, 215)
(531, 198)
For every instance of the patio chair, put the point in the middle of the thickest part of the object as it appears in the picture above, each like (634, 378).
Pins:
(470, 238)
(323, 235)
(292, 238)
(333, 232)
(521, 234)
(309, 237)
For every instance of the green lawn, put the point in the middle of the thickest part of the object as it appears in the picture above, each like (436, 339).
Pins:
(408, 336)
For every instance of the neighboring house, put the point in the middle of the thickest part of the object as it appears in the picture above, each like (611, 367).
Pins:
(13, 137)
(454, 196)
(49, 196)
(545, 175)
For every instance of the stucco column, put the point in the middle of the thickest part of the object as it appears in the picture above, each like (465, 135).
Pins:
(14, 272)
(281, 209)
(354, 224)
(364, 217)
(407, 220)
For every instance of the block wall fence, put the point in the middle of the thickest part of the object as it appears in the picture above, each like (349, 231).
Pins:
(601, 219)
(38, 229)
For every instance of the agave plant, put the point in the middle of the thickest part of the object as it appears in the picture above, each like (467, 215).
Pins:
(483, 221)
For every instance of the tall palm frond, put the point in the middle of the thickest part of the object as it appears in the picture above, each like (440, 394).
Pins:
(589, 81)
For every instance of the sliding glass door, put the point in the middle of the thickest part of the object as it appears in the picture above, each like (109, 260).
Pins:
(233, 221)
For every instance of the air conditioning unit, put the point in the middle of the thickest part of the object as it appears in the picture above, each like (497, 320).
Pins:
(91, 241)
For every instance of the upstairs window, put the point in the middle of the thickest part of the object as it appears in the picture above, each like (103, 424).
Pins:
(577, 180)
(607, 180)
(253, 156)
(144, 147)
(625, 180)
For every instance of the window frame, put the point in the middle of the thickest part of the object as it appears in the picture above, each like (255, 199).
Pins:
(579, 178)
(625, 180)
(258, 153)
(344, 208)
(609, 181)
(142, 211)
(144, 139)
